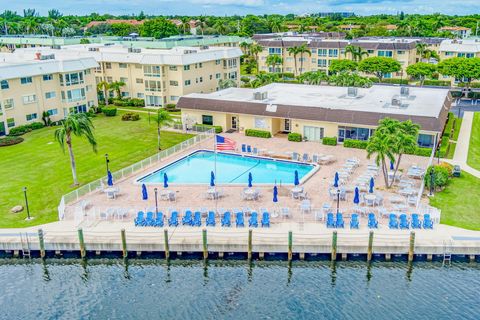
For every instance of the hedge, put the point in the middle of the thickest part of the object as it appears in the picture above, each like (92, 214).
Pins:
(357, 144)
(109, 112)
(293, 136)
(423, 152)
(10, 141)
(205, 127)
(129, 102)
(258, 133)
(129, 116)
(439, 83)
(329, 141)
(441, 176)
(395, 81)
(18, 131)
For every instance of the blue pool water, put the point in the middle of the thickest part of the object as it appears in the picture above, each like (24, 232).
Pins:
(231, 169)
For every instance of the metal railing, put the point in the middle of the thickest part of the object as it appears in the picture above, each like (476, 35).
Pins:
(125, 172)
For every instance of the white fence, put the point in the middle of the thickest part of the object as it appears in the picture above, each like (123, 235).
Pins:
(125, 172)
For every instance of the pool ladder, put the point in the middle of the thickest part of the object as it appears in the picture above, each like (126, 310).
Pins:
(25, 245)
(447, 253)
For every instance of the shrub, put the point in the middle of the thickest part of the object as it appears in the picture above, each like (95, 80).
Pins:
(289, 75)
(205, 127)
(447, 166)
(293, 136)
(18, 131)
(395, 81)
(10, 141)
(36, 125)
(170, 106)
(129, 116)
(423, 152)
(441, 176)
(357, 144)
(374, 79)
(439, 83)
(329, 141)
(258, 133)
(109, 112)
(137, 102)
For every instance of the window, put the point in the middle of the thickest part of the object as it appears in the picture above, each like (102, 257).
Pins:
(333, 52)
(218, 76)
(108, 65)
(385, 53)
(210, 77)
(8, 104)
(425, 140)
(125, 94)
(26, 80)
(29, 99)
(138, 80)
(47, 77)
(122, 65)
(449, 54)
(151, 85)
(31, 116)
(52, 112)
(75, 95)
(322, 63)
(88, 88)
(88, 71)
(314, 51)
(400, 52)
(151, 71)
(187, 82)
(208, 120)
(153, 101)
(140, 95)
(354, 133)
(123, 79)
(4, 84)
(260, 123)
(50, 95)
(70, 79)
(173, 98)
(109, 79)
(313, 133)
(274, 50)
(218, 61)
(172, 68)
(174, 83)
(370, 51)
(79, 109)
(10, 122)
(322, 52)
(186, 67)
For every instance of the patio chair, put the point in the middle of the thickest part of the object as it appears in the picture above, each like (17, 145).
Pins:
(305, 157)
(303, 195)
(139, 219)
(305, 206)
(295, 156)
(210, 219)
(255, 151)
(253, 220)
(372, 221)
(330, 221)
(315, 158)
(285, 212)
(393, 222)
(239, 220)
(249, 149)
(173, 220)
(339, 223)
(226, 219)
(404, 224)
(416, 223)
(244, 148)
(197, 219)
(187, 218)
(427, 222)
(159, 220)
(265, 220)
(149, 221)
(354, 223)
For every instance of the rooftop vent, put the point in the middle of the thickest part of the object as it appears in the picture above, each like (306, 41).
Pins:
(204, 47)
(40, 56)
(260, 95)
(396, 102)
(93, 49)
(134, 50)
(352, 92)
(189, 51)
(404, 91)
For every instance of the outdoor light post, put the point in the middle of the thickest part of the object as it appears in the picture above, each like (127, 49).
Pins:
(459, 111)
(107, 161)
(156, 200)
(338, 200)
(432, 181)
(26, 203)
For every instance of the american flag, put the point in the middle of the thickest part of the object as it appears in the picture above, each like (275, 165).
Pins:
(223, 143)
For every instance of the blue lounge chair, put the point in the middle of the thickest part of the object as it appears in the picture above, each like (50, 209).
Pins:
(266, 220)
(197, 219)
(354, 223)
(159, 220)
(173, 220)
(244, 148)
(404, 224)
(372, 221)
(305, 157)
(249, 149)
(393, 222)
(416, 223)
(149, 221)
(139, 219)
(330, 221)
(211, 219)
(340, 223)
(226, 219)
(239, 220)
(187, 218)
(427, 222)
(253, 220)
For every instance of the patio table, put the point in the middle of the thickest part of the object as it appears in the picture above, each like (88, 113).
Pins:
(166, 195)
(250, 194)
(111, 192)
(212, 193)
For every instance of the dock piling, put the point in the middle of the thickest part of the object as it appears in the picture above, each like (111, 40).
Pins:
(167, 248)
(290, 244)
(41, 242)
(205, 245)
(249, 252)
(82, 243)
(124, 244)
(370, 246)
(411, 249)
(334, 245)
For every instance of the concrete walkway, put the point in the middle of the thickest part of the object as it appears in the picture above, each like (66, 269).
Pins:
(146, 110)
(461, 151)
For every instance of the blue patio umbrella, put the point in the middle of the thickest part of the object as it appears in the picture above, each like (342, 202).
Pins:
(144, 192)
(212, 179)
(372, 184)
(296, 182)
(275, 194)
(165, 180)
(109, 178)
(250, 179)
(392, 165)
(356, 198)
(335, 180)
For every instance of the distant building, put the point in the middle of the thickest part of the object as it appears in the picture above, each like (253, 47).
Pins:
(391, 27)
(462, 48)
(331, 14)
(349, 27)
(114, 21)
(459, 32)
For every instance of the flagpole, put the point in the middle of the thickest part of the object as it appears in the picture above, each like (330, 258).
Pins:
(215, 169)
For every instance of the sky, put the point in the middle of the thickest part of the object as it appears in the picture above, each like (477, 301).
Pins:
(242, 7)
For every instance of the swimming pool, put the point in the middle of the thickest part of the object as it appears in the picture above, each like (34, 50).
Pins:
(231, 169)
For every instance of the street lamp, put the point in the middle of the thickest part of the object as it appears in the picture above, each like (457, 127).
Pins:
(156, 200)
(338, 200)
(432, 181)
(26, 203)
(107, 161)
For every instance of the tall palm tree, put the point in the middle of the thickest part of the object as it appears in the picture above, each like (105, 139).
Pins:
(421, 49)
(104, 87)
(117, 87)
(380, 146)
(357, 53)
(244, 46)
(162, 118)
(81, 126)
(313, 77)
(255, 49)
(264, 79)
(274, 60)
(221, 27)
(302, 50)
(294, 51)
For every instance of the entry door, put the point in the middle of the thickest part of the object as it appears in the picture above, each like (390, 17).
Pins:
(234, 122)
(2, 129)
(313, 133)
(287, 125)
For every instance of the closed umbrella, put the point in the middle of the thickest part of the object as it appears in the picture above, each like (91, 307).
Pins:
(275, 194)
(109, 178)
(144, 192)
(165, 180)
(391, 165)
(372, 184)
(356, 198)
(212, 179)
(335, 180)
(296, 182)
(250, 178)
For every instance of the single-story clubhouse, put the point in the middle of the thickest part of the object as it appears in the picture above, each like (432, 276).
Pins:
(320, 111)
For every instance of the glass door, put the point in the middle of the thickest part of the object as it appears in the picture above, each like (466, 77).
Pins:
(313, 133)
(2, 128)
(234, 122)
(287, 125)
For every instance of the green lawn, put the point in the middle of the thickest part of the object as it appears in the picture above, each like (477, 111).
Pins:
(40, 164)
(474, 148)
(459, 202)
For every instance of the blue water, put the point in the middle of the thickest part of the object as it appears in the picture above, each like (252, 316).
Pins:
(231, 169)
(151, 289)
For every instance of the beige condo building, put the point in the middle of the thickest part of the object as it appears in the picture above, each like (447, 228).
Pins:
(32, 83)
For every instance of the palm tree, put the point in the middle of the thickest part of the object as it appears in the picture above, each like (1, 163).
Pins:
(255, 49)
(302, 50)
(244, 46)
(421, 49)
(185, 25)
(117, 87)
(313, 77)
(264, 79)
(162, 118)
(274, 60)
(275, 25)
(227, 83)
(356, 52)
(81, 126)
(220, 27)
(104, 86)
(294, 51)
(380, 145)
